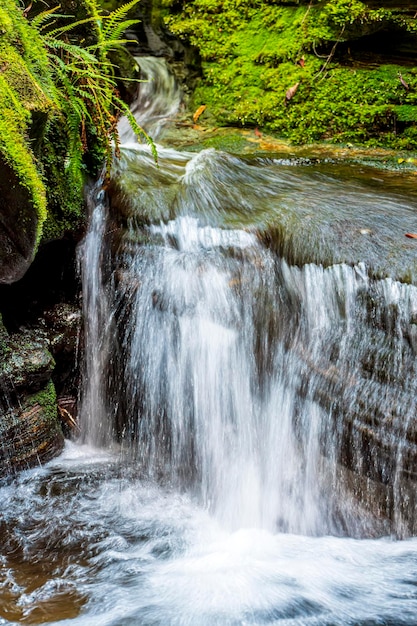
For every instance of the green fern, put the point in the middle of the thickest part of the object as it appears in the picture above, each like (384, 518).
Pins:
(86, 88)
(116, 19)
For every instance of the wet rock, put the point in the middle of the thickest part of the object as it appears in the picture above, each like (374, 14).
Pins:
(63, 325)
(27, 363)
(30, 429)
(63, 328)
(18, 226)
(30, 433)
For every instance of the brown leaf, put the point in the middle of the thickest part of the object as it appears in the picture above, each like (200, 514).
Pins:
(402, 81)
(199, 111)
(411, 235)
(291, 91)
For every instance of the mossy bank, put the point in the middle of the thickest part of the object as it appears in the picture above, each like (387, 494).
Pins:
(59, 102)
(335, 70)
(33, 146)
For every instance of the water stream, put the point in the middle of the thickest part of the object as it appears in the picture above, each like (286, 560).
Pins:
(230, 398)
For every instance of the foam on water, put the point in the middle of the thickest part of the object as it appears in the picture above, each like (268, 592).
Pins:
(222, 386)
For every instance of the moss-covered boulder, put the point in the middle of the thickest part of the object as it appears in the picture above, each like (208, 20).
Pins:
(29, 178)
(32, 433)
(19, 225)
(30, 428)
(25, 90)
(339, 70)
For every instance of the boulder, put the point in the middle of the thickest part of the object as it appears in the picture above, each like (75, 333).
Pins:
(18, 225)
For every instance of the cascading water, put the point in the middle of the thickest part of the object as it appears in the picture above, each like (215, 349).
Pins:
(247, 418)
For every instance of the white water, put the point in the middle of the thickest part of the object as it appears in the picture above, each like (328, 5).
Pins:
(208, 489)
(102, 547)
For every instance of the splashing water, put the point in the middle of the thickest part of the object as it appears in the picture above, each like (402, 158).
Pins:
(247, 421)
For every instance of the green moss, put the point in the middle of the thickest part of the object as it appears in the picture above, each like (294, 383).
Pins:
(46, 398)
(25, 88)
(253, 52)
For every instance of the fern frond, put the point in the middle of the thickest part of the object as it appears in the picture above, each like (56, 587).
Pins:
(39, 20)
(119, 29)
(74, 50)
(61, 30)
(137, 129)
(116, 17)
(113, 43)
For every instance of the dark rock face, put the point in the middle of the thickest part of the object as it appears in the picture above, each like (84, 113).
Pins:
(39, 343)
(31, 434)
(30, 431)
(27, 363)
(18, 226)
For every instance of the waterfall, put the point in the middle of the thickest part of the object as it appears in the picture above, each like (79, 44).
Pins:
(248, 444)
(227, 371)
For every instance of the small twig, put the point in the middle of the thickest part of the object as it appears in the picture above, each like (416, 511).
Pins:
(68, 419)
(319, 56)
(332, 51)
(306, 13)
(28, 8)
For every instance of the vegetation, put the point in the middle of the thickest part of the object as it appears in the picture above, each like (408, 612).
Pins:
(46, 398)
(59, 103)
(328, 70)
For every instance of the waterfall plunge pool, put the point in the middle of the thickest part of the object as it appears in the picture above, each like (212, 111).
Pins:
(88, 542)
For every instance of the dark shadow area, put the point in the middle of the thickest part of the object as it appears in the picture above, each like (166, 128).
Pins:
(52, 278)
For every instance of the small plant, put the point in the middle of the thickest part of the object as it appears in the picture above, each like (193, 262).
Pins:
(85, 84)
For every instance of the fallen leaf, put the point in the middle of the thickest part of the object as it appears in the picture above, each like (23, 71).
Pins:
(264, 145)
(411, 235)
(199, 111)
(291, 92)
(402, 81)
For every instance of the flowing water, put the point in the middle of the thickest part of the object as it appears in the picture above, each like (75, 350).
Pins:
(234, 402)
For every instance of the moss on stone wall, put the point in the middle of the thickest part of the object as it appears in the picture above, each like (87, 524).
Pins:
(33, 138)
(46, 398)
(350, 66)
(25, 90)
(60, 96)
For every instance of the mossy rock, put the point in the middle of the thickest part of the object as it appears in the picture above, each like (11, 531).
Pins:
(27, 364)
(25, 91)
(31, 434)
(30, 429)
(19, 223)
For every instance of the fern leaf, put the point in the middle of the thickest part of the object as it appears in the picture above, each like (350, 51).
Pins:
(137, 129)
(61, 30)
(74, 50)
(116, 17)
(39, 20)
(118, 30)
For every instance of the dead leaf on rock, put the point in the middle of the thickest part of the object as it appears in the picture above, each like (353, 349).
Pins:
(199, 111)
